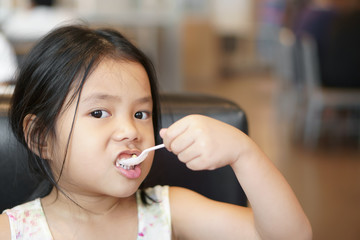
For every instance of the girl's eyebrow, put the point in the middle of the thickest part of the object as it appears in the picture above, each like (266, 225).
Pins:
(100, 96)
(147, 99)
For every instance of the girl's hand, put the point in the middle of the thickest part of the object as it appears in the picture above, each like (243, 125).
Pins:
(204, 143)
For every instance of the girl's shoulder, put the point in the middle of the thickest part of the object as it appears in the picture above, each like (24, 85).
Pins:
(157, 193)
(25, 210)
(154, 201)
(154, 213)
(4, 227)
(161, 193)
(28, 219)
(34, 204)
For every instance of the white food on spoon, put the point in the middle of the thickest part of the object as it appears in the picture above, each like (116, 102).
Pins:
(135, 160)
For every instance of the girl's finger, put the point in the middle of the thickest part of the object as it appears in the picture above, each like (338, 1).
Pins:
(176, 129)
(175, 144)
(189, 154)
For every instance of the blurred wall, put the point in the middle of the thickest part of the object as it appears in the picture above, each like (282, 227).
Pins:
(190, 41)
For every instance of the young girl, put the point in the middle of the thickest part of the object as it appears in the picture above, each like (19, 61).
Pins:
(84, 100)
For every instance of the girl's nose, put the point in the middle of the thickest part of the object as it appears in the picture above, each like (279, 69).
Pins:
(125, 130)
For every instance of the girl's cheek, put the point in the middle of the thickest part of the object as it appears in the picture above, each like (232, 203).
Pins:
(55, 157)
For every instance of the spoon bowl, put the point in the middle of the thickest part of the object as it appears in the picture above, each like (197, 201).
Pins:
(137, 160)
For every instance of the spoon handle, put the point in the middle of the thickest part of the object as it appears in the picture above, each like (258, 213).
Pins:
(154, 147)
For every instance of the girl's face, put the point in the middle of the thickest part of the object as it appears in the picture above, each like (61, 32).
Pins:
(113, 121)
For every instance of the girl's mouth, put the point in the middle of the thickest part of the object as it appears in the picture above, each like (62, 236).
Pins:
(125, 156)
(118, 164)
(130, 172)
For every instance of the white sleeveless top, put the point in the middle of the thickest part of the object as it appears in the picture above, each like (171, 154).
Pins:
(28, 221)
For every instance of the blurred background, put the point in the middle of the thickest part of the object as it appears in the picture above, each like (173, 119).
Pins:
(290, 64)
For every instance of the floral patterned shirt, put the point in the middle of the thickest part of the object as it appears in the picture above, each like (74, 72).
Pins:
(28, 221)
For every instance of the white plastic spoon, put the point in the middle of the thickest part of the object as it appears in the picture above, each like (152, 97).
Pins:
(136, 160)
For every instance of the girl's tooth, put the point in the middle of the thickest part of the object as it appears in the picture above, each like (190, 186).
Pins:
(126, 167)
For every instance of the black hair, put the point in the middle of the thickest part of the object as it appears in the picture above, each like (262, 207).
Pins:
(57, 65)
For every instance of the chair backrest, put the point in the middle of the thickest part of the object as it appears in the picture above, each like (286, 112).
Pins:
(16, 183)
(289, 61)
(298, 62)
(285, 65)
(310, 63)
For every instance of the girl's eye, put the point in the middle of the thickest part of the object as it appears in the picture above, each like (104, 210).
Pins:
(99, 114)
(142, 115)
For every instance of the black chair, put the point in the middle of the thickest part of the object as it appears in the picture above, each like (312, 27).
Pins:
(17, 185)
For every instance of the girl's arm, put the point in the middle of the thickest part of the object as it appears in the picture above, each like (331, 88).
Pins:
(205, 143)
(4, 227)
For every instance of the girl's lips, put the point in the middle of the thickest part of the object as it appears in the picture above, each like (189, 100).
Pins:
(133, 173)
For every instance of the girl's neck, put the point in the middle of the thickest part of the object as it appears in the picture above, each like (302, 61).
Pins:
(90, 206)
(88, 217)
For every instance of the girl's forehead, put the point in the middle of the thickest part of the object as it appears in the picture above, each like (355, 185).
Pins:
(114, 75)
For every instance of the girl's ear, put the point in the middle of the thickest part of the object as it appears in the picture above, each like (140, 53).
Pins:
(39, 148)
